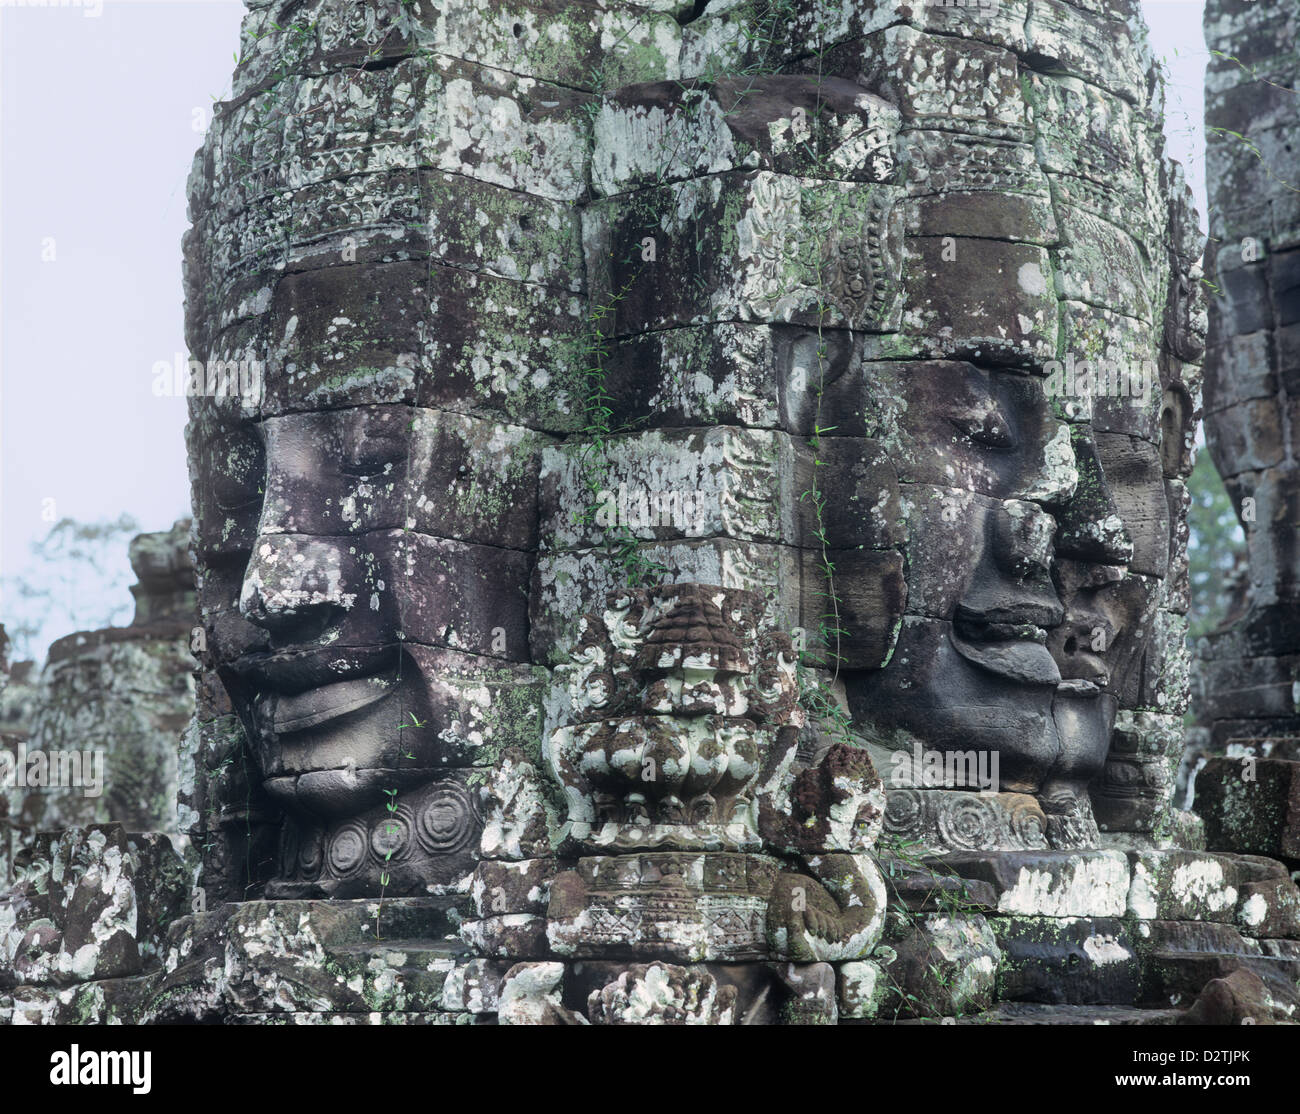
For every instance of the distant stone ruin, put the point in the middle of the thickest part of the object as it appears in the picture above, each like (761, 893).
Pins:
(1248, 790)
(96, 738)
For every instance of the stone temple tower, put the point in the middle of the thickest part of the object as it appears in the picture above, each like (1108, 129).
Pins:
(705, 538)
(1247, 676)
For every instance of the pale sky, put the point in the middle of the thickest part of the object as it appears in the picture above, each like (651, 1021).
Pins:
(97, 133)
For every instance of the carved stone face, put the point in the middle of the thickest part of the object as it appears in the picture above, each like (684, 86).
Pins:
(1037, 552)
(361, 646)
(976, 328)
(508, 310)
(676, 701)
(1021, 617)
(1033, 401)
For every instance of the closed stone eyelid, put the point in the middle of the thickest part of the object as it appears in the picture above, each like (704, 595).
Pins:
(982, 428)
(372, 460)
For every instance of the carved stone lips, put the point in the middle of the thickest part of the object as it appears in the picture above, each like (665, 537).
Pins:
(300, 671)
(1013, 647)
(311, 709)
(1078, 687)
(299, 690)
(1086, 666)
(1030, 663)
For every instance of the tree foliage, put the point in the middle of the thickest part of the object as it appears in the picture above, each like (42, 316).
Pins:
(79, 580)
(1216, 550)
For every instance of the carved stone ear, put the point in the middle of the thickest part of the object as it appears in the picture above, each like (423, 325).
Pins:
(1177, 427)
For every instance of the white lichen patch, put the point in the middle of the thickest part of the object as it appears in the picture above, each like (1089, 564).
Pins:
(1104, 950)
(1253, 911)
(1093, 884)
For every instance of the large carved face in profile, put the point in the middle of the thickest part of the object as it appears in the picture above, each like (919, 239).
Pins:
(1037, 413)
(363, 616)
(974, 294)
(1034, 553)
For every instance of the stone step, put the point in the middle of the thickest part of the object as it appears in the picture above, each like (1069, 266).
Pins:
(1177, 977)
(417, 954)
(1034, 1013)
(1067, 960)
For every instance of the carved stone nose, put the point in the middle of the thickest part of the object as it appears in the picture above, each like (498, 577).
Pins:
(1058, 476)
(1090, 527)
(291, 579)
(1024, 539)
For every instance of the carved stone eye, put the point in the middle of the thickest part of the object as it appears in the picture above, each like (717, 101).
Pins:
(379, 446)
(991, 429)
